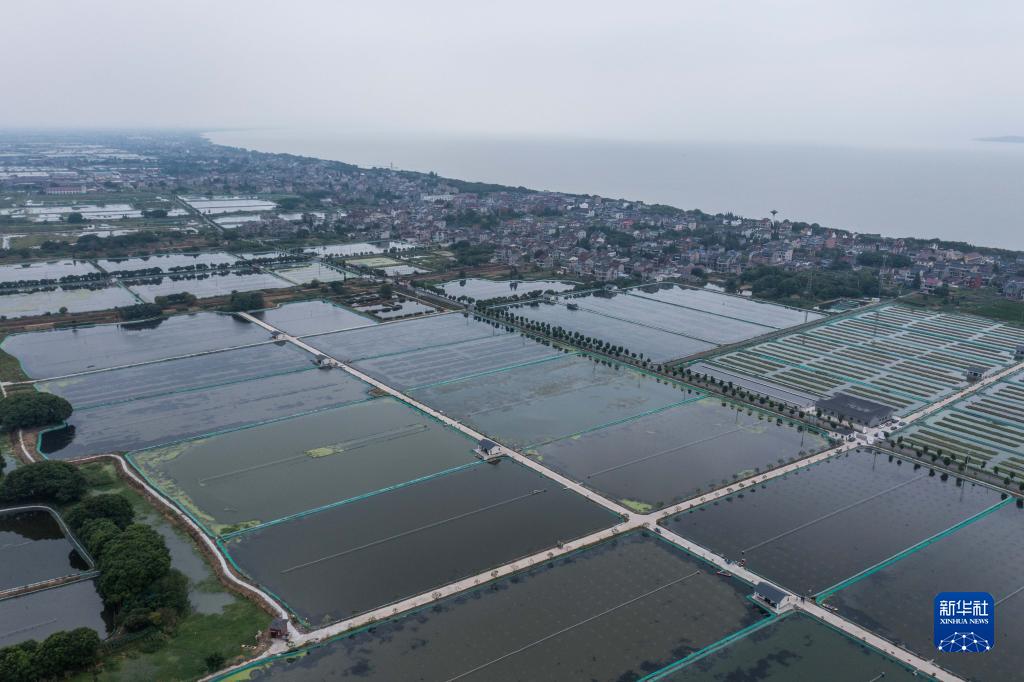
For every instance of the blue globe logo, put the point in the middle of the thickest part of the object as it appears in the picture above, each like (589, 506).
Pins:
(964, 642)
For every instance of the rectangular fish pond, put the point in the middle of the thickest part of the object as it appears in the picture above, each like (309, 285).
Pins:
(352, 558)
(206, 285)
(674, 454)
(34, 548)
(260, 474)
(58, 352)
(136, 424)
(455, 360)
(171, 376)
(617, 611)
(76, 300)
(402, 336)
(791, 648)
(37, 615)
(544, 401)
(897, 601)
(815, 527)
(312, 317)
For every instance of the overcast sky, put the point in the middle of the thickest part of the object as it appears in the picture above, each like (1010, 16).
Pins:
(858, 71)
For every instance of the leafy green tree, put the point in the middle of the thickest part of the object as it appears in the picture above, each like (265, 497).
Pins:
(214, 661)
(75, 218)
(27, 410)
(16, 662)
(130, 563)
(45, 481)
(64, 652)
(140, 311)
(386, 291)
(96, 533)
(115, 508)
(245, 300)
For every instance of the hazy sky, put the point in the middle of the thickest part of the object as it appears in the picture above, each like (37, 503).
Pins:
(824, 70)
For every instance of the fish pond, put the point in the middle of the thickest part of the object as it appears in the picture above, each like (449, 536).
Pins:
(312, 317)
(455, 360)
(60, 352)
(37, 615)
(34, 548)
(616, 611)
(817, 526)
(75, 300)
(544, 401)
(184, 374)
(136, 424)
(266, 472)
(795, 647)
(410, 540)
(677, 453)
(897, 601)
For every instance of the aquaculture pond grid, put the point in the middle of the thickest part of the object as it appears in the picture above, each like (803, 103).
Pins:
(818, 526)
(270, 472)
(616, 611)
(897, 601)
(171, 417)
(677, 453)
(657, 344)
(411, 539)
(792, 647)
(984, 430)
(663, 322)
(538, 402)
(895, 355)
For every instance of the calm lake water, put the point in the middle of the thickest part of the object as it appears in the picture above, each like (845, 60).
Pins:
(971, 191)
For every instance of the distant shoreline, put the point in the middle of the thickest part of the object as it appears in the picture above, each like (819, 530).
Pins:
(1006, 139)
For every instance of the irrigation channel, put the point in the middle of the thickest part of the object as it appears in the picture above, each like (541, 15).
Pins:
(631, 521)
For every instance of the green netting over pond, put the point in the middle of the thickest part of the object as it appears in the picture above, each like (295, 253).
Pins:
(617, 611)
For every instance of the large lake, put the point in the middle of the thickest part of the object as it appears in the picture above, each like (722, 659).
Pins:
(970, 191)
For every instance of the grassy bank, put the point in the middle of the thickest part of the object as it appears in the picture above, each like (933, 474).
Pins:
(226, 624)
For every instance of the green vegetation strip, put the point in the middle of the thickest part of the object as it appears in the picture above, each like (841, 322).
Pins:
(825, 594)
